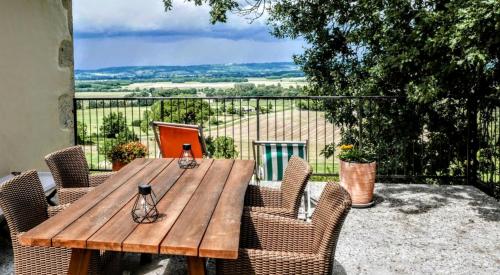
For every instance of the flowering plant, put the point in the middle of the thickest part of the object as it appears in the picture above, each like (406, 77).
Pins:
(127, 152)
(350, 153)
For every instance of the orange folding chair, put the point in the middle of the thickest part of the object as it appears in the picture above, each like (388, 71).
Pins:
(171, 136)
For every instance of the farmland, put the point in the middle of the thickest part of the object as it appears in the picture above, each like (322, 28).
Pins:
(242, 120)
(284, 121)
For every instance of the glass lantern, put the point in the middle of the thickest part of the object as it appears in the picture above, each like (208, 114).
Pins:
(186, 159)
(145, 210)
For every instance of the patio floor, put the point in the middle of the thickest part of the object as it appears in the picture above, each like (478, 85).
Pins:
(413, 229)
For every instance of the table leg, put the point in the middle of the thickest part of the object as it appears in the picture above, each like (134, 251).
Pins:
(80, 260)
(196, 265)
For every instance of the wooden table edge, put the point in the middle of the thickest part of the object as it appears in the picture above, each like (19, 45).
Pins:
(217, 254)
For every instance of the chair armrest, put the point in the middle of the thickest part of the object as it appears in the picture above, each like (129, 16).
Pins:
(70, 195)
(252, 261)
(269, 232)
(284, 212)
(54, 210)
(96, 179)
(262, 196)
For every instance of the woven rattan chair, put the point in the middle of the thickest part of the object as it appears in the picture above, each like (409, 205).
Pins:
(285, 201)
(71, 174)
(272, 244)
(23, 201)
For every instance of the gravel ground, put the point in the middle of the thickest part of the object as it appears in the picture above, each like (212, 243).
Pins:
(412, 229)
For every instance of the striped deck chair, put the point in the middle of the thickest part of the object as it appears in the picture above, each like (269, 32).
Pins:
(272, 159)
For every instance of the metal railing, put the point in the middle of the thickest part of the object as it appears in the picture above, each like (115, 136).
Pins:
(244, 119)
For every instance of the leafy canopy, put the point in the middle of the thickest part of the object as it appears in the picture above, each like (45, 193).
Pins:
(440, 56)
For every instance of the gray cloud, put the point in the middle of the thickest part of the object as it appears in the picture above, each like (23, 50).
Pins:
(133, 51)
(139, 32)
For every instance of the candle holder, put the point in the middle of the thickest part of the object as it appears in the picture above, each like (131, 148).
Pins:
(145, 210)
(186, 159)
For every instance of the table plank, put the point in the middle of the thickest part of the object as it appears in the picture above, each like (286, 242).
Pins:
(221, 240)
(76, 234)
(42, 234)
(147, 237)
(113, 233)
(185, 236)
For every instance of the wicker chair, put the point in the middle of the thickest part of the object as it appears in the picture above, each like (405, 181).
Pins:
(71, 174)
(286, 201)
(277, 245)
(23, 201)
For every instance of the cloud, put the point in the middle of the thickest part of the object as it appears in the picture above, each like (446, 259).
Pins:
(114, 33)
(97, 18)
(135, 51)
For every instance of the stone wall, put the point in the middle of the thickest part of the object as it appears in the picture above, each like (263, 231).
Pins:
(36, 81)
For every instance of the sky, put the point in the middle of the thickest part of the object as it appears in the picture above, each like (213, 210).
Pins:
(116, 33)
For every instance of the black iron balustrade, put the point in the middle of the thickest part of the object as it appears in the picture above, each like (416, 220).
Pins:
(243, 119)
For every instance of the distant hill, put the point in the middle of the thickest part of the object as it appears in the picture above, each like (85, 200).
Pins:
(211, 71)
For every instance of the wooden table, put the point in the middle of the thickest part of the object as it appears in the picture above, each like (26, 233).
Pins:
(200, 214)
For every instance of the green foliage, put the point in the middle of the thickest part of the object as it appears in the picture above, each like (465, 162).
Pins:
(186, 111)
(215, 122)
(126, 152)
(82, 137)
(350, 153)
(221, 147)
(136, 123)
(440, 57)
(113, 124)
(117, 77)
(218, 10)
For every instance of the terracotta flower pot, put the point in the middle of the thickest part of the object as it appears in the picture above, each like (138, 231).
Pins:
(117, 165)
(359, 180)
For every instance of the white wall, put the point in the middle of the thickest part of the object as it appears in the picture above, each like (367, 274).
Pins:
(36, 81)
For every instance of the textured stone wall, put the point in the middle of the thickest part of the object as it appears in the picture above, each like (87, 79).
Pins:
(36, 81)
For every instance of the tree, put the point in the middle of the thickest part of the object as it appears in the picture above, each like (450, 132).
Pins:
(221, 147)
(82, 134)
(441, 58)
(186, 111)
(113, 124)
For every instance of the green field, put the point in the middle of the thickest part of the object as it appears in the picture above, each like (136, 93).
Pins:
(284, 122)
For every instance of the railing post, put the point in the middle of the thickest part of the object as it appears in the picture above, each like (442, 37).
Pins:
(360, 122)
(162, 112)
(472, 145)
(258, 118)
(75, 123)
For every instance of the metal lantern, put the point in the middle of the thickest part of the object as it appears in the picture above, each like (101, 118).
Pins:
(186, 159)
(145, 210)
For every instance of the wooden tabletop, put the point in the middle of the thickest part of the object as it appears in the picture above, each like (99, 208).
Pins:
(200, 211)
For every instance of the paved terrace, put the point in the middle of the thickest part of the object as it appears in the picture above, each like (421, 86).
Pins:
(413, 229)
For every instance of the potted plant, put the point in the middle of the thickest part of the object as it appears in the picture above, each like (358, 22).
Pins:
(357, 174)
(122, 154)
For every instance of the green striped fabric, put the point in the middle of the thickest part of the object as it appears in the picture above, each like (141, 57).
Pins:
(275, 158)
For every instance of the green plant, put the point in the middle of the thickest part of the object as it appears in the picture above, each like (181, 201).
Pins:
(113, 124)
(187, 111)
(82, 134)
(136, 123)
(127, 152)
(221, 147)
(350, 153)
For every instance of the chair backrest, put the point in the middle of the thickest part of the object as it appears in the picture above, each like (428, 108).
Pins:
(295, 179)
(328, 218)
(275, 156)
(23, 201)
(171, 136)
(69, 167)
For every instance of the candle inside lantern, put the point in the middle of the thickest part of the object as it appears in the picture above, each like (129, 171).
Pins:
(186, 159)
(144, 210)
